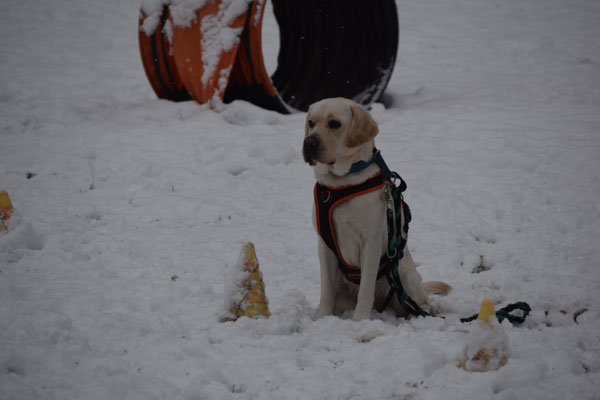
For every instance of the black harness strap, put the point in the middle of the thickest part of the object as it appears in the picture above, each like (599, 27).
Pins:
(505, 312)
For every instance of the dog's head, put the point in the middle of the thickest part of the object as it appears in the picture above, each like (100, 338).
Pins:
(335, 130)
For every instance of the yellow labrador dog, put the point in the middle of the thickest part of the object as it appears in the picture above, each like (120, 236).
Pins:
(340, 136)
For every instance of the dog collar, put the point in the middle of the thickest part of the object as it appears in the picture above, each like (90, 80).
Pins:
(376, 158)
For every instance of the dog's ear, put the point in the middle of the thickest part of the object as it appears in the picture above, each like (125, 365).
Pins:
(306, 126)
(363, 127)
(306, 122)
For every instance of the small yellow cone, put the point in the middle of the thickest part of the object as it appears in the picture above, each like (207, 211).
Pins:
(255, 303)
(487, 345)
(6, 209)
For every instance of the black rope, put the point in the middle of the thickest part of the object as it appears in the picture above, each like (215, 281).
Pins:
(505, 312)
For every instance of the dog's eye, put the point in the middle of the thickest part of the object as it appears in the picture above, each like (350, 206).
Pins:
(334, 124)
(311, 124)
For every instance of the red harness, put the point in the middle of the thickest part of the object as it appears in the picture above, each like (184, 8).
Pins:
(326, 199)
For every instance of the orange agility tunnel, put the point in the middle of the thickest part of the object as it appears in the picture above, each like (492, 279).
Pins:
(328, 48)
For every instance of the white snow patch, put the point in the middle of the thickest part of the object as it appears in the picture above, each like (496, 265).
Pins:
(217, 36)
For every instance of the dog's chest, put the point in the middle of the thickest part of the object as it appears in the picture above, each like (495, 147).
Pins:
(358, 222)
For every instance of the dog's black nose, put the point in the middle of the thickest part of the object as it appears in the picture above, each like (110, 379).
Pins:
(311, 143)
(310, 148)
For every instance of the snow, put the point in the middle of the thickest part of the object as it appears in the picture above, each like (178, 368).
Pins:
(491, 116)
(218, 37)
(183, 12)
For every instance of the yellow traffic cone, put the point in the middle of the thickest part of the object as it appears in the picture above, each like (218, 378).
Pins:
(486, 346)
(6, 209)
(254, 303)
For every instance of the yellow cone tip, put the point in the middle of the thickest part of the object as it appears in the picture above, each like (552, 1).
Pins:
(249, 251)
(6, 209)
(486, 310)
(5, 204)
(250, 260)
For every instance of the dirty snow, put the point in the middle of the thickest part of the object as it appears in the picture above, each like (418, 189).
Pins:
(132, 211)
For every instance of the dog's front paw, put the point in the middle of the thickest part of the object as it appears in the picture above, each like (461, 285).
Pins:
(324, 310)
(359, 316)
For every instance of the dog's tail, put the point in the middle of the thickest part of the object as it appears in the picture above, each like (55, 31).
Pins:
(436, 287)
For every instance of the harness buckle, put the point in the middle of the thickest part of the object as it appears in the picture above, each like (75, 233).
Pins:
(325, 196)
(391, 208)
(389, 202)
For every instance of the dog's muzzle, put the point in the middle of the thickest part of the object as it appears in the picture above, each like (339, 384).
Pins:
(311, 149)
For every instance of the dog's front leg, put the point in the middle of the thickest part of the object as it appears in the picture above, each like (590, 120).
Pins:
(369, 266)
(329, 270)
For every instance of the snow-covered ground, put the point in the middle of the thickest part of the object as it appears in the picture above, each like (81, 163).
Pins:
(132, 212)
